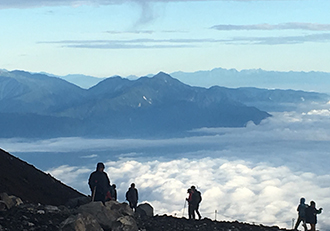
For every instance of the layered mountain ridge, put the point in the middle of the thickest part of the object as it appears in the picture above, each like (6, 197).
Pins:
(38, 105)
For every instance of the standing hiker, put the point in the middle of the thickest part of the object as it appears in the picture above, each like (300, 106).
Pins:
(196, 200)
(114, 192)
(99, 183)
(301, 214)
(132, 196)
(311, 213)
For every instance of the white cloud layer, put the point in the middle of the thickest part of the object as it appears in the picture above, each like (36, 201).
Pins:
(237, 190)
(255, 174)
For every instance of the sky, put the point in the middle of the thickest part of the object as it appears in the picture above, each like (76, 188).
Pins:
(255, 174)
(103, 38)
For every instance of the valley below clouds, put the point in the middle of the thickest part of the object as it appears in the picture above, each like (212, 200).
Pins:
(255, 174)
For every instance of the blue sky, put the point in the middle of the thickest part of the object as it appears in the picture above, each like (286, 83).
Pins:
(111, 37)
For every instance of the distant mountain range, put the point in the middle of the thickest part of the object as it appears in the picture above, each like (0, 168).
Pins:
(38, 105)
(307, 81)
(232, 78)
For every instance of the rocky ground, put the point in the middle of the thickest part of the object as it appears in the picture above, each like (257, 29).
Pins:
(33, 217)
(166, 223)
(50, 218)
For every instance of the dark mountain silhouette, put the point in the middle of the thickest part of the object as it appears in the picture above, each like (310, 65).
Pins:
(36, 105)
(30, 184)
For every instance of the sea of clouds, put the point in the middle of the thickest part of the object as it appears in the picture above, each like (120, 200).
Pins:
(255, 174)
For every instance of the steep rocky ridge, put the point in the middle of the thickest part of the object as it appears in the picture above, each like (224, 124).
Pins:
(30, 184)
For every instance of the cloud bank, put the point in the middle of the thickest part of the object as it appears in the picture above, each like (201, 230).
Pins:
(232, 190)
(281, 26)
(41, 3)
(255, 174)
(147, 43)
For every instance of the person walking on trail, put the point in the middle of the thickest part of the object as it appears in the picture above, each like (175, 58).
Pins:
(196, 200)
(191, 213)
(311, 213)
(132, 196)
(301, 214)
(99, 183)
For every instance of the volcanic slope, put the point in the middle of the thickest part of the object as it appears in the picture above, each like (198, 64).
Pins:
(23, 180)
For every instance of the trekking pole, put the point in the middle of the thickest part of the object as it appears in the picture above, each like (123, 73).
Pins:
(292, 222)
(93, 196)
(184, 207)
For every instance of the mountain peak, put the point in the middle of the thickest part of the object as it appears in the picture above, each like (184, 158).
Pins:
(166, 78)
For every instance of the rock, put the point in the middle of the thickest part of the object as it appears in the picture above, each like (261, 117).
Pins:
(3, 206)
(10, 201)
(76, 202)
(7, 200)
(107, 215)
(52, 209)
(145, 210)
(81, 222)
(125, 223)
(123, 209)
(16, 200)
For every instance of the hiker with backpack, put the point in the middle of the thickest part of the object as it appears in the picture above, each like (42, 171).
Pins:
(196, 199)
(99, 184)
(301, 214)
(132, 196)
(311, 213)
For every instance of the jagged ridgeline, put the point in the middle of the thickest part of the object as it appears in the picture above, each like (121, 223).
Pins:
(37, 105)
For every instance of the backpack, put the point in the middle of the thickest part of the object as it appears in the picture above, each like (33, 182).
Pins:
(302, 210)
(198, 196)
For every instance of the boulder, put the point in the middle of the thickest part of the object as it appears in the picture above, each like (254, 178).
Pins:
(125, 223)
(108, 214)
(78, 201)
(81, 222)
(17, 201)
(145, 210)
(7, 200)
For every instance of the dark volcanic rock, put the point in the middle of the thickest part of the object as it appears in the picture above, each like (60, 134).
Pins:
(30, 184)
(33, 217)
(169, 223)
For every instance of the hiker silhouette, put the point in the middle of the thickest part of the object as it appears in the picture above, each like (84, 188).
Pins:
(99, 184)
(113, 192)
(194, 199)
(132, 196)
(311, 213)
(301, 214)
